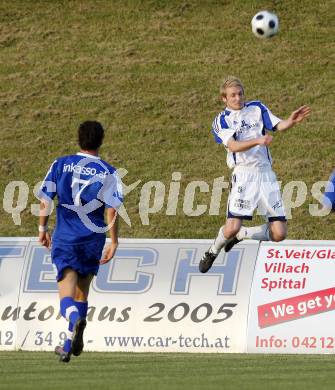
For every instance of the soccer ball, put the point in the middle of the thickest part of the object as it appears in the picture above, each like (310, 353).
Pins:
(265, 24)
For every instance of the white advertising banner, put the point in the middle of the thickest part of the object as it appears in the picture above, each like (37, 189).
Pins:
(12, 257)
(293, 298)
(150, 297)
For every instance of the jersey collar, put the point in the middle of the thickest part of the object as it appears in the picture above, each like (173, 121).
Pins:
(88, 155)
(230, 110)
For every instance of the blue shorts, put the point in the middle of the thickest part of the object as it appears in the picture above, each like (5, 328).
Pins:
(82, 258)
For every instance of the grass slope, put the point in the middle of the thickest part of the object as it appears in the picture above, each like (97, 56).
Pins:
(149, 71)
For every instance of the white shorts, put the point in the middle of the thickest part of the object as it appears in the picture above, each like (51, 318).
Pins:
(255, 188)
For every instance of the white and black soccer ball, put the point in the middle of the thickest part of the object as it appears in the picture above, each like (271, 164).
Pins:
(265, 24)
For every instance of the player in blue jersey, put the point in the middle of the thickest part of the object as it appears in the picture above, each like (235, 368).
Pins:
(87, 188)
(329, 195)
(243, 129)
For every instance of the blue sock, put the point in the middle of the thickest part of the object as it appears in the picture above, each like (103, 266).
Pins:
(69, 309)
(82, 308)
(82, 311)
(67, 345)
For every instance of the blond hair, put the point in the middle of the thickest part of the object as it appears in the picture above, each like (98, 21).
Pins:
(230, 81)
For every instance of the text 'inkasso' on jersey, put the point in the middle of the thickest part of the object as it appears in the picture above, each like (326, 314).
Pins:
(250, 122)
(84, 186)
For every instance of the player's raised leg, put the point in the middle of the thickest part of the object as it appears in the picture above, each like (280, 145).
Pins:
(260, 233)
(225, 234)
(272, 231)
(278, 230)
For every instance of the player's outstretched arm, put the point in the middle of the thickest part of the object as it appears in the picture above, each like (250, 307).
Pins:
(241, 146)
(112, 221)
(43, 236)
(296, 117)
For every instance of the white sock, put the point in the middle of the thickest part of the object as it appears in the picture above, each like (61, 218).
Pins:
(218, 243)
(260, 233)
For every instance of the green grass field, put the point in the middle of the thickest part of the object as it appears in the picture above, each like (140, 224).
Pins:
(149, 71)
(127, 371)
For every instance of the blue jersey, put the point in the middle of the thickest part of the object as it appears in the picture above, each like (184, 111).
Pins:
(84, 186)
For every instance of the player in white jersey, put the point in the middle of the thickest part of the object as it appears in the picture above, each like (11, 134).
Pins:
(242, 128)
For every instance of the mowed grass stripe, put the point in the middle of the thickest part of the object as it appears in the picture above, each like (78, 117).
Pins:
(31, 370)
(149, 71)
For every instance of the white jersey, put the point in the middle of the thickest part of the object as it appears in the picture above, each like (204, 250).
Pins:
(250, 122)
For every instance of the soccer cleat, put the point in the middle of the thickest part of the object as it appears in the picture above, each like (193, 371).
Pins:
(230, 243)
(207, 261)
(77, 337)
(63, 356)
